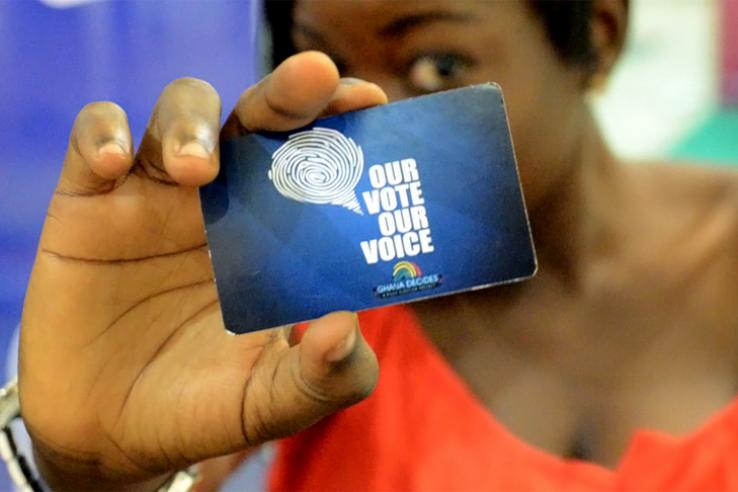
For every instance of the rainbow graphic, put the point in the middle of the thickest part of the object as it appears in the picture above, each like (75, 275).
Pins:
(406, 270)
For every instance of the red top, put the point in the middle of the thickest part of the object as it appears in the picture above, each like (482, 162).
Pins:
(422, 429)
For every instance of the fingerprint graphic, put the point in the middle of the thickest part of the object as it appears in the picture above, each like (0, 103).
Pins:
(319, 166)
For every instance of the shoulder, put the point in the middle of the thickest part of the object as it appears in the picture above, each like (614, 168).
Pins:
(699, 184)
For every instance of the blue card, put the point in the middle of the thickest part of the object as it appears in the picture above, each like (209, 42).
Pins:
(387, 205)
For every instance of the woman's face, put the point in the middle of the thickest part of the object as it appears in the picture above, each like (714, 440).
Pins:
(414, 47)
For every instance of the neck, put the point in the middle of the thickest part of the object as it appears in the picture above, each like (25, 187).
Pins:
(569, 221)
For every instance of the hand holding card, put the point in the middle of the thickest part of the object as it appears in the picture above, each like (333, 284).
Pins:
(122, 334)
(381, 206)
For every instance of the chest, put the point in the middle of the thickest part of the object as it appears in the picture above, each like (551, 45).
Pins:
(575, 373)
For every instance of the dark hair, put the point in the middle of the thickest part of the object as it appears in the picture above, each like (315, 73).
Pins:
(567, 25)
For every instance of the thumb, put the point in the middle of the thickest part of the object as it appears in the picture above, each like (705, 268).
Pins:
(331, 368)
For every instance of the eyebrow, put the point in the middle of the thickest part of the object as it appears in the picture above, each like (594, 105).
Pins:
(402, 25)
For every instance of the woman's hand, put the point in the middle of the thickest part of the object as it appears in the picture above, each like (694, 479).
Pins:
(126, 371)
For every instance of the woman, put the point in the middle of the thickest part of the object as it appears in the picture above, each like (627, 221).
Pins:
(629, 324)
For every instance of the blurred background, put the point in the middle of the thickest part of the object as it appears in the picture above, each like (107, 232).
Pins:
(674, 94)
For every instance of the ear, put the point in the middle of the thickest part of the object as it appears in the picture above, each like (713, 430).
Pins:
(609, 24)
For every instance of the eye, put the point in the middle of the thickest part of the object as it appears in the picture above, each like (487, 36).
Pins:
(433, 72)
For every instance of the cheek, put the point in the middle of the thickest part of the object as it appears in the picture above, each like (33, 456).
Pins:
(529, 124)
(542, 114)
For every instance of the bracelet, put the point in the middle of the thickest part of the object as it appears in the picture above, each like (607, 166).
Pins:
(20, 470)
(182, 481)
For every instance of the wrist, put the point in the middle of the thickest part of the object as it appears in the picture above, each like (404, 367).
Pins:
(58, 472)
(61, 476)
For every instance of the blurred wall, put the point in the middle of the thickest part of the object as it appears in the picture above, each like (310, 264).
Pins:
(667, 80)
(729, 48)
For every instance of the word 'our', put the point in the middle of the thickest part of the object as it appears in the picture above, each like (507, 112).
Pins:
(397, 201)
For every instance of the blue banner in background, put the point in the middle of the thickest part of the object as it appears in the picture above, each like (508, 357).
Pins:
(55, 60)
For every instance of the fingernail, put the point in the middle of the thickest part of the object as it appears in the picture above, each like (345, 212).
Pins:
(343, 348)
(194, 148)
(111, 147)
(352, 81)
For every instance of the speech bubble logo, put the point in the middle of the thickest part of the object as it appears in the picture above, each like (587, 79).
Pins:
(320, 166)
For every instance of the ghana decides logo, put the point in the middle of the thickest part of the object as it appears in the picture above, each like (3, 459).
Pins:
(407, 277)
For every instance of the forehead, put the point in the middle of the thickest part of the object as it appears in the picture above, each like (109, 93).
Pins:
(384, 9)
(387, 17)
